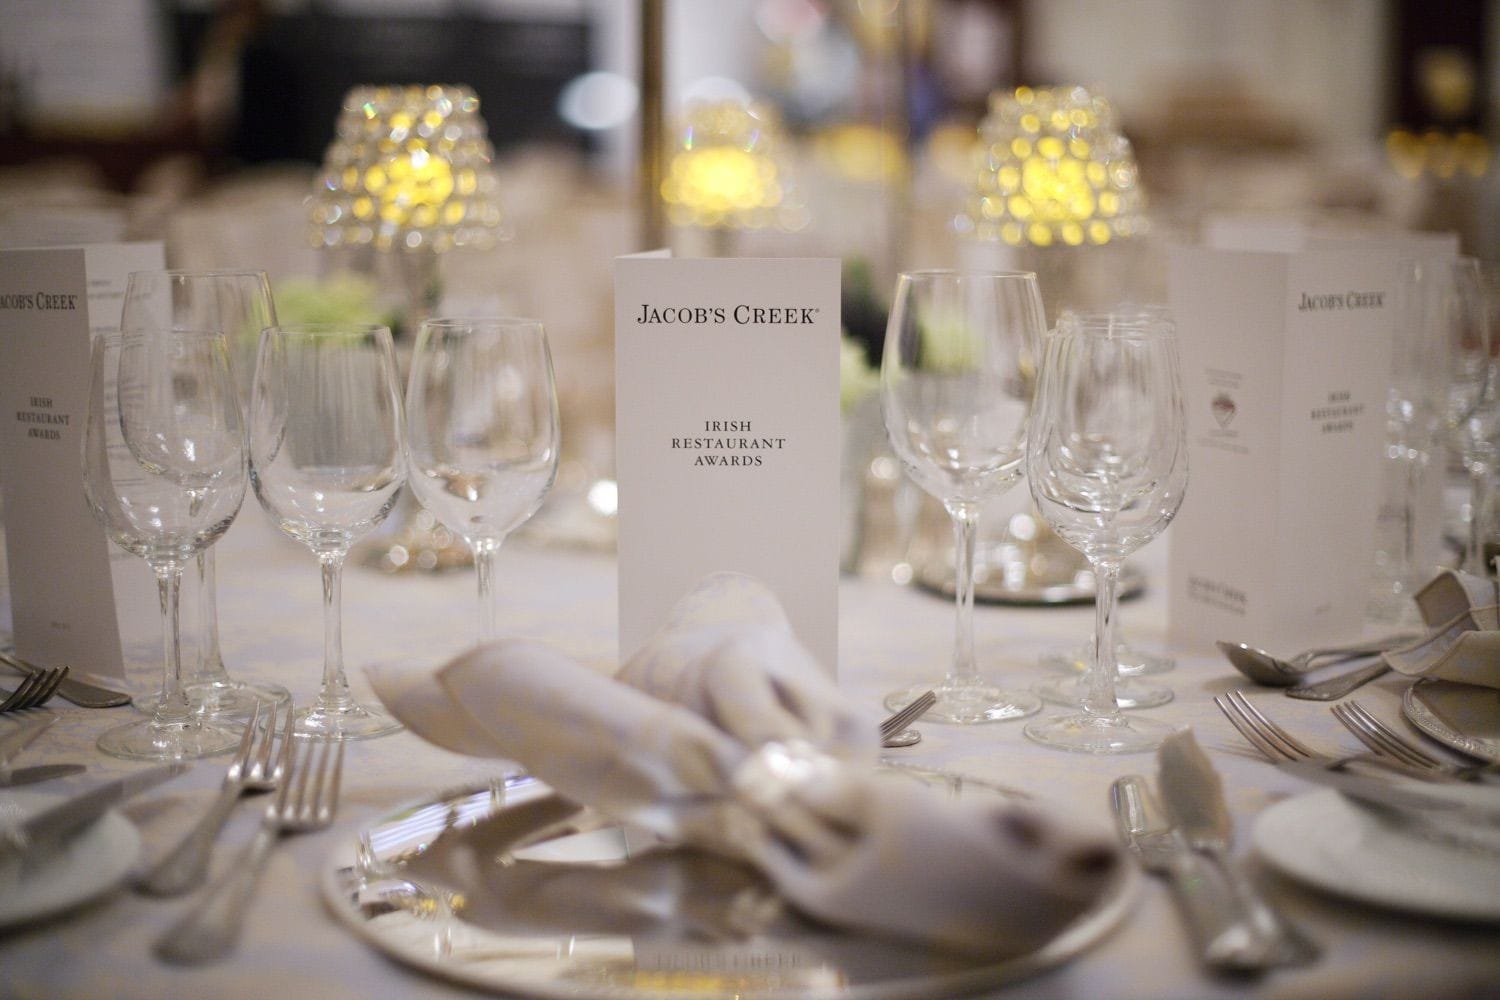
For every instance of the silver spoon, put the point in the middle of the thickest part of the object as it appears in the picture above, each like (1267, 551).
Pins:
(1272, 671)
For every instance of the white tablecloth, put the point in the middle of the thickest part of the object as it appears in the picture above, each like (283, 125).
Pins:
(890, 636)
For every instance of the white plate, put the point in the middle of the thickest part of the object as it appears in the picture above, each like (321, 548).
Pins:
(88, 865)
(1462, 716)
(1324, 839)
(609, 914)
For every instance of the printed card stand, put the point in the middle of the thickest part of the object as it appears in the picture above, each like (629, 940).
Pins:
(728, 435)
(76, 598)
(1286, 364)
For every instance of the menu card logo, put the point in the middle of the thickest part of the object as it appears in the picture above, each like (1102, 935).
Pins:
(1223, 409)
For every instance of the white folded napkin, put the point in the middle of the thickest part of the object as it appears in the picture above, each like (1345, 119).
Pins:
(1462, 613)
(723, 733)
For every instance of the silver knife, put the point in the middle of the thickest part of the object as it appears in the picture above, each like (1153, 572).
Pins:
(80, 692)
(55, 822)
(37, 772)
(1194, 797)
(1216, 922)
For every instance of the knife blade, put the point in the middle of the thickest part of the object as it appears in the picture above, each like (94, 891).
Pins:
(1216, 923)
(55, 822)
(1194, 799)
(38, 772)
(73, 688)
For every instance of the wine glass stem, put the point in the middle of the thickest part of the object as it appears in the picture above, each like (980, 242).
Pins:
(1099, 698)
(484, 569)
(1479, 498)
(334, 695)
(965, 516)
(210, 661)
(173, 705)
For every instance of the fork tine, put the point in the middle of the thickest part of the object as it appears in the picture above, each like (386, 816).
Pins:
(1240, 721)
(326, 792)
(46, 684)
(1369, 732)
(1396, 739)
(899, 720)
(1297, 749)
(17, 698)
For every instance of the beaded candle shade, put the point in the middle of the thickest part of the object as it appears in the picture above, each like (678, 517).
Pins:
(408, 169)
(726, 170)
(1053, 170)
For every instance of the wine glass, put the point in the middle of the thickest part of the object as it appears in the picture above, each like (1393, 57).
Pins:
(164, 472)
(482, 433)
(955, 385)
(1462, 307)
(1106, 460)
(239, 304)
(326, 461)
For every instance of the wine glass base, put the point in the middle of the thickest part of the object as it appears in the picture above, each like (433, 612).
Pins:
(1131, 662)
(1100, 735)
(968, 704)
(224, 699)
(354, 722)
(1130, 692)
(149, 740)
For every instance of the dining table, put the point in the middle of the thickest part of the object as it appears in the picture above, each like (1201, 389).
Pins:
(890, 636)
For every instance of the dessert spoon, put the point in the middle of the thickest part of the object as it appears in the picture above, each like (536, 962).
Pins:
(1273, 671)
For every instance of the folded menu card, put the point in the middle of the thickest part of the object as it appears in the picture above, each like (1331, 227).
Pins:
(1286, 359)
(728, 435)
(67, 582)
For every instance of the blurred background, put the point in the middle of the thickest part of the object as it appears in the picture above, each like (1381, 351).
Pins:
(888, 133)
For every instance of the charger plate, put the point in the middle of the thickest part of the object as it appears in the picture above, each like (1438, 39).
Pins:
(1462, 716)
(512, 888)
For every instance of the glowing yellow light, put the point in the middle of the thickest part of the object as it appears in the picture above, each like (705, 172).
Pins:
(723, 171)
(1058, 170)
(408, 169)
(860, 152)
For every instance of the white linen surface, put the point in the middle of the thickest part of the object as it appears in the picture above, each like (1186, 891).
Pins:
(1462, 614)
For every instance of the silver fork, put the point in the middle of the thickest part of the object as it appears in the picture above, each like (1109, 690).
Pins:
(1382, 739)
(1278, 745)
(184, 866)
(892, 727)
(34, 690)
(307, 800)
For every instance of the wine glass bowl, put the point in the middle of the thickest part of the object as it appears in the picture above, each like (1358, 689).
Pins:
(164, 470)
(1106, 463)
(483, 432)
(327, 463)
(956, 383)
(238, 303)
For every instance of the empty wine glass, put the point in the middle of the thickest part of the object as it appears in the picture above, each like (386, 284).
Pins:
(1106, 461)
(326, 461)
(164, 472)
(956, 382)
(1462, 308)
(482, 433)
(239, 304)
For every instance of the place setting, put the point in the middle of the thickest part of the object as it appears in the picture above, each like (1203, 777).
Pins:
(753, 501)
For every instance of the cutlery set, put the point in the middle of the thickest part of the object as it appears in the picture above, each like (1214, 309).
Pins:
(1188, 842)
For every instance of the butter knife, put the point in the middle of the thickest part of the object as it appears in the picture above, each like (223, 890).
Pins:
(54, 823)
(1220, 931)
(79, 692)
(1194, 797)
(15, 778)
